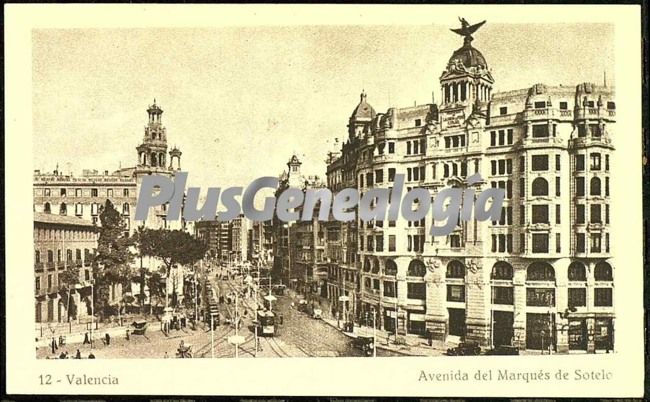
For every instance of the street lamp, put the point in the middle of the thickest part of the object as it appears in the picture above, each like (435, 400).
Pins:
(288, 227)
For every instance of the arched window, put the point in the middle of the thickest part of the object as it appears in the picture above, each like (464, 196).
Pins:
(153, 160)
(50, 256)
(603, 272)
(455, 269)
(416, 268)
(47, 208)
(502, 271)
(63, 210)
(125, 208)
(540, 186)
(594, 186)
(540, 271)
(375, 266)
(366, 265)
(391, 267)
(577, 272)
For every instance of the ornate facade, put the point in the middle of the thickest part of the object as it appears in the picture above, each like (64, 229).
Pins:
(541, 276)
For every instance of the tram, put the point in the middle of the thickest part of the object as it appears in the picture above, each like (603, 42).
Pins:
(265, 323)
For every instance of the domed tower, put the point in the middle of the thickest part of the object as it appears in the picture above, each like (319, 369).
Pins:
(361, 119)
(466, 82)
(152, 153)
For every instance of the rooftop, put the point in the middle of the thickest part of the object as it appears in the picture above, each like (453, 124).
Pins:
(54, 219)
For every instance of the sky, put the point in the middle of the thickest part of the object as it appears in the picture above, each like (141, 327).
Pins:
(239, 102)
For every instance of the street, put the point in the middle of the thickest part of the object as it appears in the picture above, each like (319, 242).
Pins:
(299, 335)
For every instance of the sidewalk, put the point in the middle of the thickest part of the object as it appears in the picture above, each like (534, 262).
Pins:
(415, 345)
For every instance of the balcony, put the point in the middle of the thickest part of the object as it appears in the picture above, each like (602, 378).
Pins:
(587, 141)
(39, 266)
(595, 113)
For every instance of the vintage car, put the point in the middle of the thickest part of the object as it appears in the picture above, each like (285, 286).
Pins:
(465, 349)
(364, 343)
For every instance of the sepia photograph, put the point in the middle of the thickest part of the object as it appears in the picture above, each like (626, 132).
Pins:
(443, 189)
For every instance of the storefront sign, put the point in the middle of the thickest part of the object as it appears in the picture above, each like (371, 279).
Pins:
(453, 119)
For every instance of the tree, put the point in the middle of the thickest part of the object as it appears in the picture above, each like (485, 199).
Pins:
(172, 247)
(112, 263)
(67, 281)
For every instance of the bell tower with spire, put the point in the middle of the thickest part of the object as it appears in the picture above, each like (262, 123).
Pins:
(152, 152)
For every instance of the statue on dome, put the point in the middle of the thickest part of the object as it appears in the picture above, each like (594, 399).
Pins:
(466, 30)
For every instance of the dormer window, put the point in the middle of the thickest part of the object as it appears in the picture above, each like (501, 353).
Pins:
(418, 122)
(503, 110)
(540, 105)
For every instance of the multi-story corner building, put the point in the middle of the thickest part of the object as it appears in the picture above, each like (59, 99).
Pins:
(62, 243)
(541, 276)
(83, 196)
(299, 247)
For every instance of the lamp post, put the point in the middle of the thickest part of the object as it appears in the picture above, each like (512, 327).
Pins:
(374, 332)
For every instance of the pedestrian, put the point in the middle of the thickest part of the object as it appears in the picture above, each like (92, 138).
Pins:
(108, 339)
(91, 355)
(78, 355)
(61, 340)
(166, 356)
(63, 355)
(281, 319)
(86, 339)
(127, 334)
(53, 345)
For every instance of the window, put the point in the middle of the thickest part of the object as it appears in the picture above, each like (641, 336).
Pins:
(455, 269)
(94, 208)
(63, 192)
(580, 186)
(125, 192)
(580, 213)
(577, 272)
(603, 272)
(38, 284)
(557, 162)
(603, 297)
(540, 131)
(50, 256)
(391, 147)
(594, 186)
(379, 176)
(540, 214)
(577, 297)
(47, 208)
(391, 267)
(540, 297)
(540, 162)
(611, 105)
(595, 243)
(503, 110)
(390, 289)
(558, 215)
(502, 138)
(595, 213)
(416, 268)
(594, 130)
(391, 243)
(454, 241)
(540, 105)
(379, 246)
(418, 122)
(94, 192)
(558, 243)
(391, 174)
(564, 106)
(46, 192)
(63, 209)
(493, 138)
(595, 161)
(607, 213)
(78, 209)
(557, 186)
(606, 162)
(37, 257)
(580, 163)
(456, 293)
(580, 242)
(77, 192)
(109, 192)
(416, 290)
(540, 243)
(510, 136)
(540, 187)
(502, 295)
